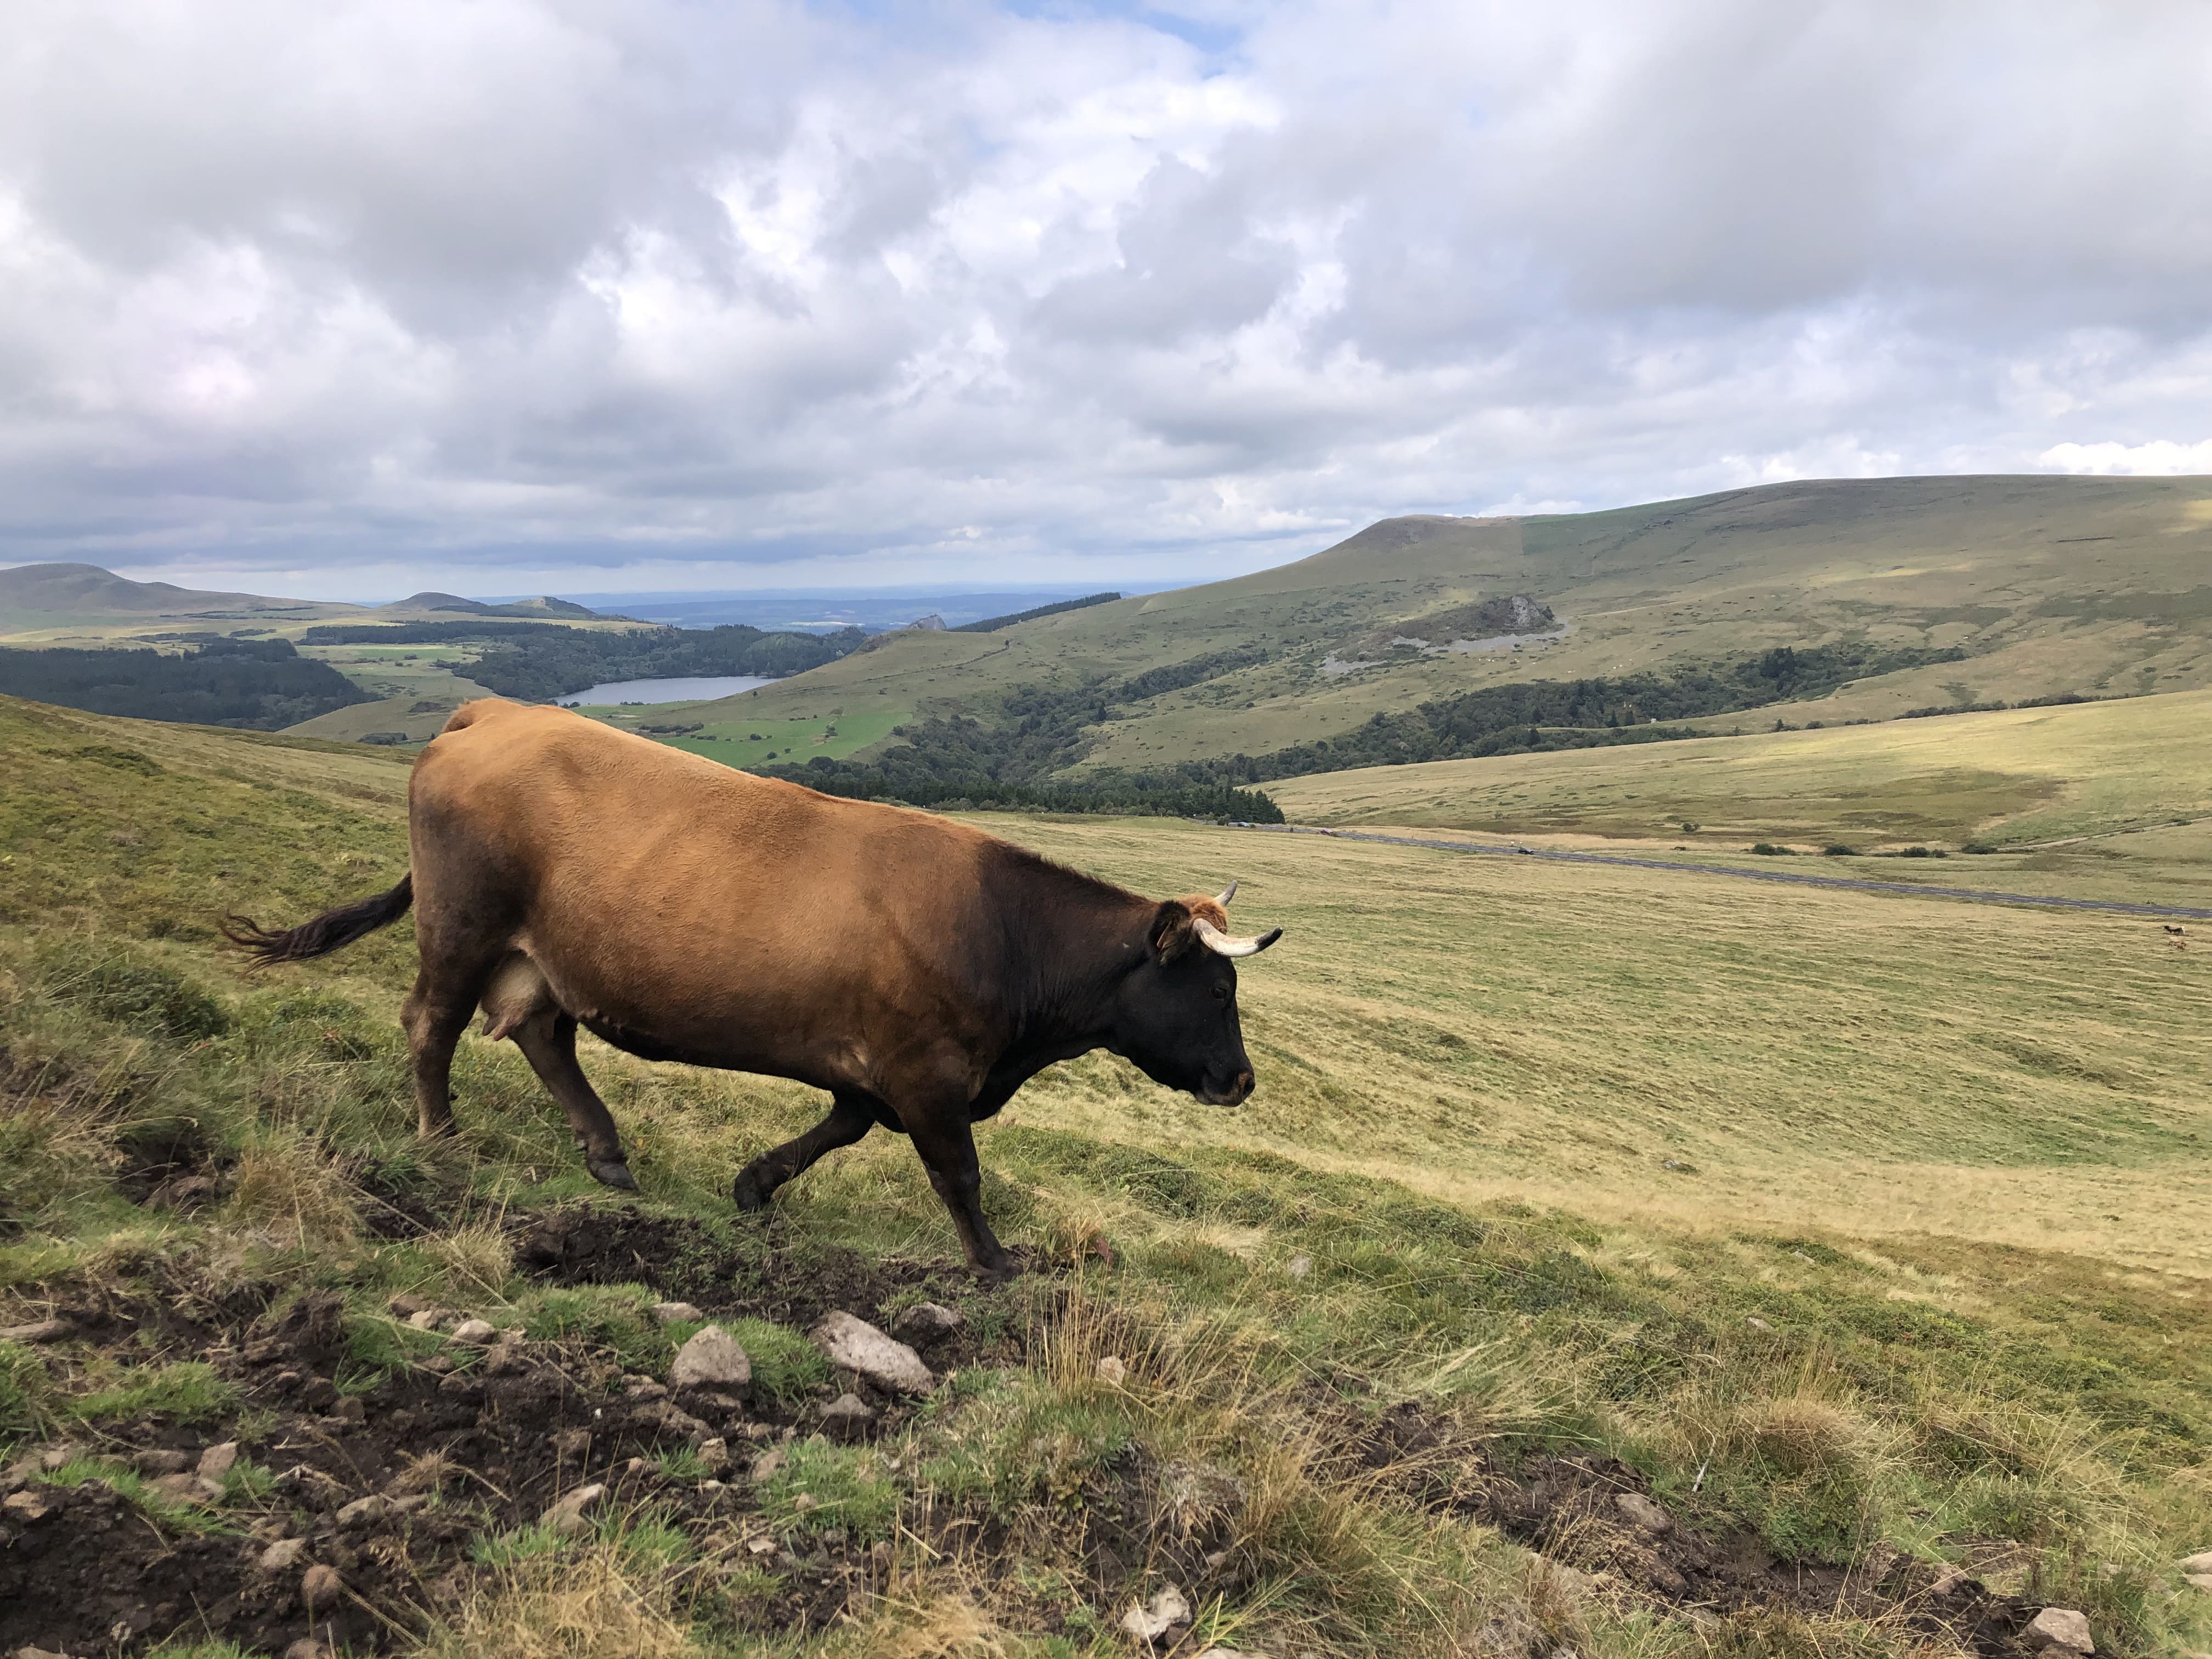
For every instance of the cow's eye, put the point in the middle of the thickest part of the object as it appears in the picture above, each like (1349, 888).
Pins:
(1221, 993)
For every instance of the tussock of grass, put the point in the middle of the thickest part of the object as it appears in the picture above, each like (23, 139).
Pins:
(592, 1602)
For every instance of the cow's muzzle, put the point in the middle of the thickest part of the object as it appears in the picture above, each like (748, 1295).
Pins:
(1232, 1092)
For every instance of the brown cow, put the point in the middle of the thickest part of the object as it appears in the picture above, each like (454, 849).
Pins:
(564, 873)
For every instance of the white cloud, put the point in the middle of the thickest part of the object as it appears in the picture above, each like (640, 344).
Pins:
(2161, 458)
(564, 293)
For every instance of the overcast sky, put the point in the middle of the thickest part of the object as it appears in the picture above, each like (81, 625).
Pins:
(502, 295)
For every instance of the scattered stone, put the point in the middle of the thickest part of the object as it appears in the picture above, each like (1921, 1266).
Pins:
(307, 1648)
(283, 1555)
(2061, 1630)
(504, 1360)
(2199, 1562)
(926, 1323)
(60, 1455)
(1756, 1322)
(1112, 1370)
(481, 1333)
(160, 1461)
(714, 1455)
(2197, 1580)
(412, 1502)
(437, 1364)
(676, 1313)
(670, 1418)
(711, 1359)
(846, 1418)
(39, 1330)
(407, 1304)
(567, 1516)
(857, 1345)
(319, 1587)
(767, 1463)
(218, 1460)
(28, 1505)
(718, 1401)
(763, 1544)
(643, 1388)
(1151, 1621)
(1572, 1584)
(1298, 1266)
(364, 1511)
(571, 1442)
(186, 1489)
(351, 1408)
(714, 1485)
(1949, 1582)
(1246, 1653)
(426, 1319)
(37, 1653)
(760, 1431)
(806, 1501)
(1642, 1514)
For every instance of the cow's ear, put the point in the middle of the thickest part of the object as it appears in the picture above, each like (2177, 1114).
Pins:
(1173, 933)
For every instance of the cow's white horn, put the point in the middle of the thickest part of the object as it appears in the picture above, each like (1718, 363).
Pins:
(1226, 894)
(1229, 944)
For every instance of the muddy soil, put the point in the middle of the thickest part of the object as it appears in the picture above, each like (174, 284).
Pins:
(1597, 1515)
(469, 1442)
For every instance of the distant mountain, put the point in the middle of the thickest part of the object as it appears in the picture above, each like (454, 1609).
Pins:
(87, 591)
(544, 606)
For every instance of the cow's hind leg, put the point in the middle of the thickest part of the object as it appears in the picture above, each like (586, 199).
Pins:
(947, 1146)
(434, 1015)
(850, 1116)
(548, 1041)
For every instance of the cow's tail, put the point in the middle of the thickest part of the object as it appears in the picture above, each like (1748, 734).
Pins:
(333, 930)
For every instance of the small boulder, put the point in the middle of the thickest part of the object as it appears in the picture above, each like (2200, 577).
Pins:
(364, 1511)
(2197, 1580)
(2199, 1562)
(186, 1489)
(407, 1304)
(1113, 1371)
(567, 1518)
(479, 1333)
(1150, 1622)
(282, 1556)
(711, 1359)
(846, 1418)
(926, 1323)
(161, 1460)
(1642, 1514)
(857, 1345)
(426, 1319)
(2059, 1631)
(216, 1461)
(676, 1313)
(767, 1463)
(319, 1588)
(27, 1506)
(306, 1647)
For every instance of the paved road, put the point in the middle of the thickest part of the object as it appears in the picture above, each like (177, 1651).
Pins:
(1913, 889)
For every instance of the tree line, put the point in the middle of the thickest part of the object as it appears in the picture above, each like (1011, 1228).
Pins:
(260, 685)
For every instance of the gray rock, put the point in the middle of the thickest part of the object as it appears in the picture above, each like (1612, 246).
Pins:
(567, 1518)
(670, 1418)
(714, 1455)
(2059, 1631)
(711, 1359)
(926, 1323)
(28, 1505)
(767, 1463)
(307, 1648)
(1112, 1370)
(642, 1387)
(846, 1418)
(39, 1330)
(282, 1556)
(319, 1588)
(37, 1653)
(1642, 1514)
(1151, 1621)
(857, 1345)
(216, 1461)
(481, 1333)
(60, 1454)
(364, 1511)
(2199, 1562)
(186, 1489)
(427, 1319)
(160, 1463)
(676, 1313)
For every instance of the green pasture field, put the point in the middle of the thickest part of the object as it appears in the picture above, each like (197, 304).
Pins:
(2014, 778)
(741, 742)
(1864, 1230)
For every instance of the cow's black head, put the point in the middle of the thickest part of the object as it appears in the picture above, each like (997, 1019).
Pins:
(1175, 1013)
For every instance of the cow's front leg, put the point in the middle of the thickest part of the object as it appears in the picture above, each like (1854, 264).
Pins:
(947, 1146)
(850, 1117)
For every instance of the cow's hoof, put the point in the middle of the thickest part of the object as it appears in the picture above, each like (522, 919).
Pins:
(992, 1274)
(747, 1195)
(611, 1172)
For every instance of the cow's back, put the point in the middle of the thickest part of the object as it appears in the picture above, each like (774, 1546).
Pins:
(642, 879)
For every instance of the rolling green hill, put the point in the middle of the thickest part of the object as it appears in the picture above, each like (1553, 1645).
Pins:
(1867, 1235)
(2042, 585)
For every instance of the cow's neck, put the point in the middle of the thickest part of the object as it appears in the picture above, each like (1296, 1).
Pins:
(1070, 940)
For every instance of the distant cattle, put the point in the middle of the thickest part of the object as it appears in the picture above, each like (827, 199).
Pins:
(564, 873)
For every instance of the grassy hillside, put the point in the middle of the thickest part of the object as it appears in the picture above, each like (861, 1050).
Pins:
(1865, 1236)
(2047, 584)
(2014, 777)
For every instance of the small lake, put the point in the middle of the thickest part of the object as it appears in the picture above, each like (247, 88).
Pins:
(678, 691)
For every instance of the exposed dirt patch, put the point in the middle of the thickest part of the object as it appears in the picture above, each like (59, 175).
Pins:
(1597, 1516)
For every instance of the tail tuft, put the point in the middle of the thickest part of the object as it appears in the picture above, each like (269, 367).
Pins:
(332, 931)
